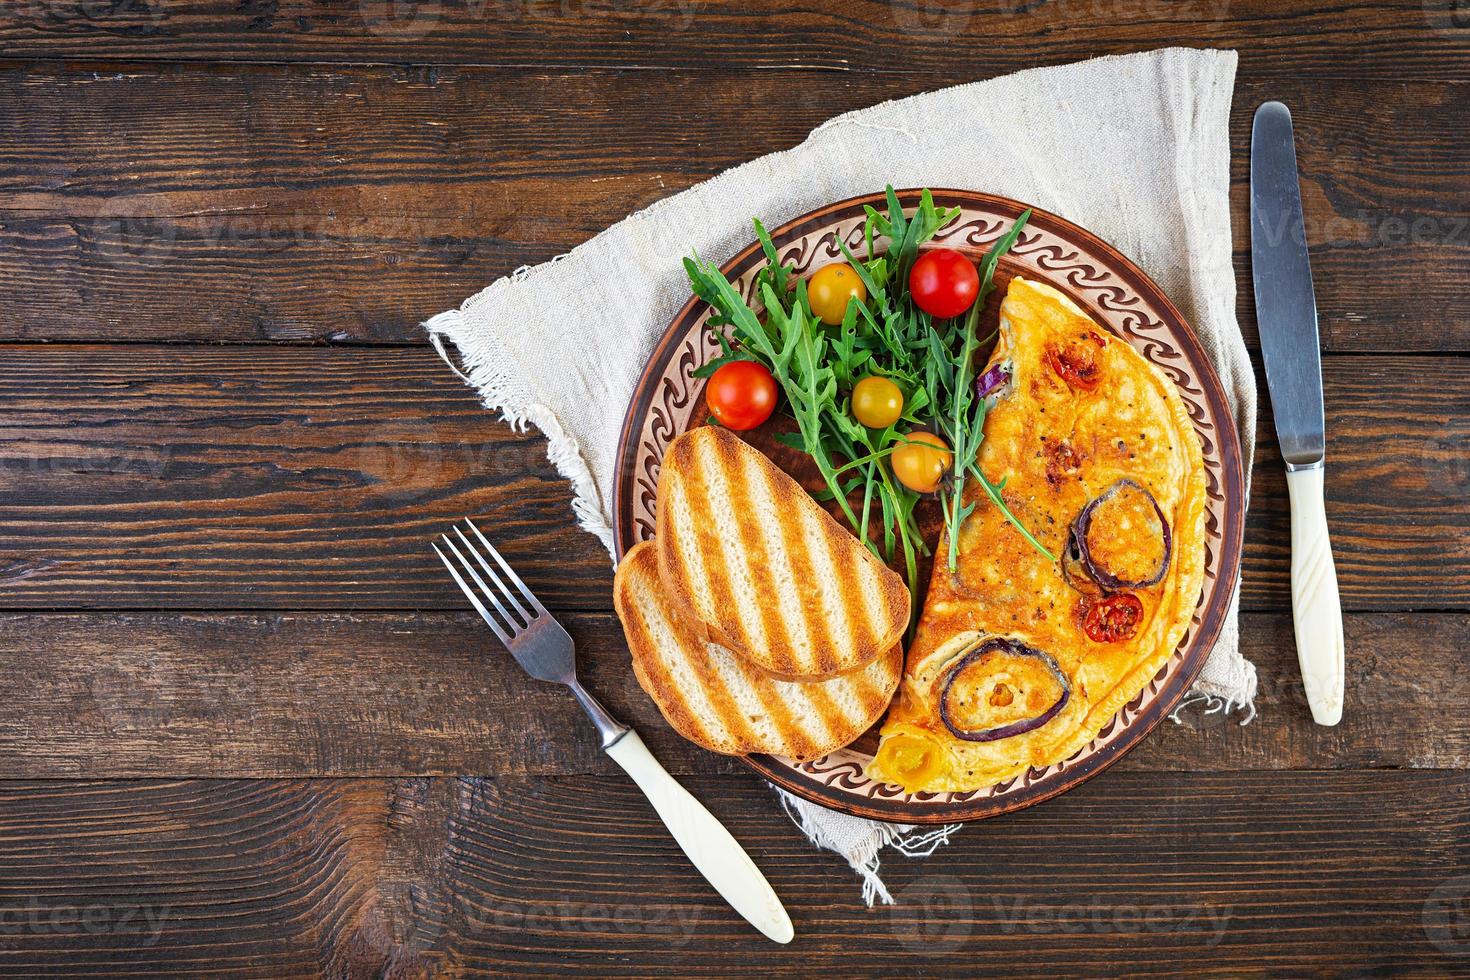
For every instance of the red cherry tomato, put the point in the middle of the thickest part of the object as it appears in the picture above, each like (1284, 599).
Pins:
(943, 282)
(741, 395)
(1077, 362)
(1113, 619)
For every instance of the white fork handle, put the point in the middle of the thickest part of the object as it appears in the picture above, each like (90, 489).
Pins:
(1315, 605)
(717, 855)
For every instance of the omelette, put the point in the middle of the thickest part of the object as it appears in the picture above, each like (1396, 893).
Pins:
(1018, 660)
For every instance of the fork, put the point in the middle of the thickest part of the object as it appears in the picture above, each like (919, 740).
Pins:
(545, 651)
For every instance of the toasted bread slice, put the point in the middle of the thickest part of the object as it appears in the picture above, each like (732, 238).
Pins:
(723, 702)
(776, 579)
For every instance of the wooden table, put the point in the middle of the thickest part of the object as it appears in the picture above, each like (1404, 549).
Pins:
(250, 727)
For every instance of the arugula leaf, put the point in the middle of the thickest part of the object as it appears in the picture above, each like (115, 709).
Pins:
(848, 348)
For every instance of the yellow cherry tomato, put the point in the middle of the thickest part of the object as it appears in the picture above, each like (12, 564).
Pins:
(829, 289)
(877, 402)
(921, 462)
(910, 760)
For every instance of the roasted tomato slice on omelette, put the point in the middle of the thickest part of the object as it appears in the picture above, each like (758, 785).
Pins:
(1019, 661)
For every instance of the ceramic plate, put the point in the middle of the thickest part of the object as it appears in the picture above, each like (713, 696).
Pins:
(669, 400)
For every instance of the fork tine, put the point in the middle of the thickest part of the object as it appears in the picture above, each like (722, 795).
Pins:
(514, 625)
(505, 591)
(530, 597)
(470, 594)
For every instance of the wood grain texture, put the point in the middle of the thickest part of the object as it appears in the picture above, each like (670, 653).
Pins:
(308, 478)
(389, 694)
(1234, 873)
(316, 477)
(246, 879)
(293, 172)
(1365, 38)
(128, 195)
(1398, 439)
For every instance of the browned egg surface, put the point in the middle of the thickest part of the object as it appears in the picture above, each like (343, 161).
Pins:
(1083, 411)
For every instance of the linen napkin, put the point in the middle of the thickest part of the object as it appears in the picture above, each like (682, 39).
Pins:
(1135, 148)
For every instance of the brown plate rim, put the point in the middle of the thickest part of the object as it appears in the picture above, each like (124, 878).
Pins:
(1232, 533)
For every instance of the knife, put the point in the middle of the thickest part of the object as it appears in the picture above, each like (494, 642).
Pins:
(1286, 311)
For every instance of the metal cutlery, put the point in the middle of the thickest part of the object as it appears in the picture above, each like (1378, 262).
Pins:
(1287, 312)
(545, 651)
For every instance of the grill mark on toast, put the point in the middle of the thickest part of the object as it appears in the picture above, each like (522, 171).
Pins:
(722, 591)
(889, 605)
(679, 559)
(874, 608)
(781, 534)
(637, 601)
(823, 709)
(801, 559)
(756, 557)
(743, 696)
(789, 700)
(686, 718)
(699, 700)
(773, 698)
(869, 686)
(787, 716)
(728, 696)
(838, 620)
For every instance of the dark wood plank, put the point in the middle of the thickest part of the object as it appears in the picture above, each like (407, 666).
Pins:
(1267, 875)
(249, 879)
(1234, 873)
(291, 478)
(308, 694)
(1386, 211)
(261, 190)
(335, 694)
(316, 479)
(1398, 440)
(1366, 38)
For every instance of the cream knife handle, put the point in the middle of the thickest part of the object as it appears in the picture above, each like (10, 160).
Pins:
(717, 855)
(1315, 606)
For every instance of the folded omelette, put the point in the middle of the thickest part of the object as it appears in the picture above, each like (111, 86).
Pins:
(1019, 661)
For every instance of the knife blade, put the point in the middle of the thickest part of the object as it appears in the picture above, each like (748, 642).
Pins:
(1286, 307)
(1286, 312)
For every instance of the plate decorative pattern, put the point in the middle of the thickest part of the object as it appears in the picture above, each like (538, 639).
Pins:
(1117, 295)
